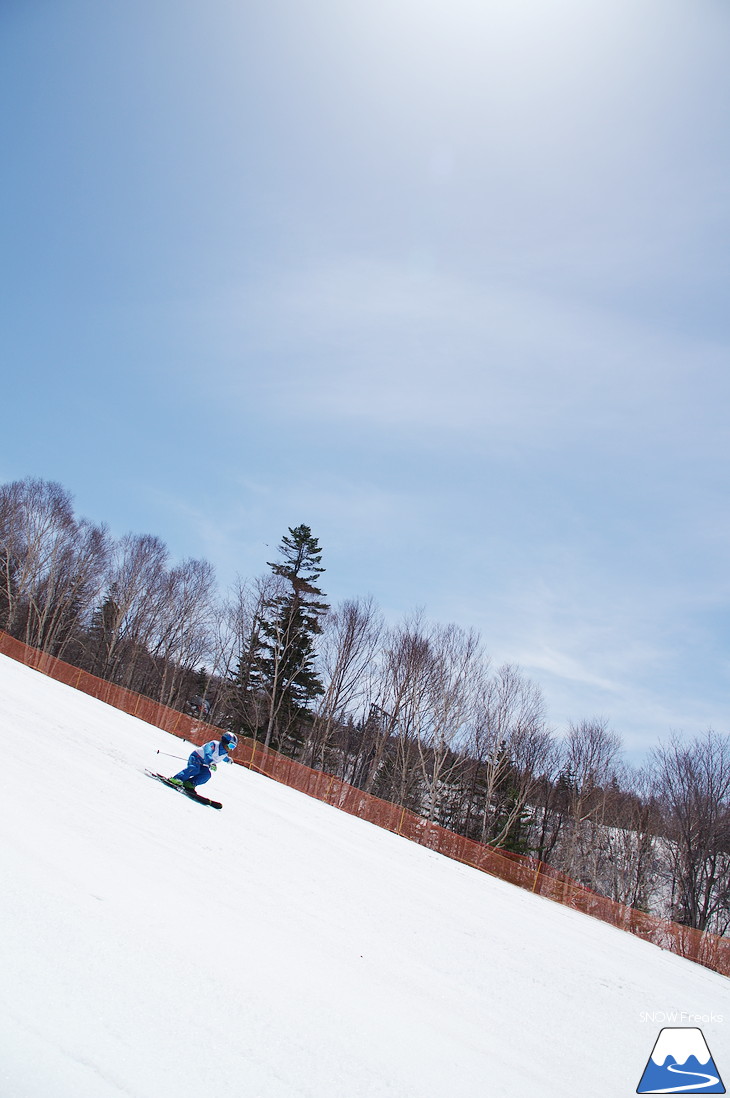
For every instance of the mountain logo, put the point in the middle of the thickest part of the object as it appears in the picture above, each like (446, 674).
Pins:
(681, 1063)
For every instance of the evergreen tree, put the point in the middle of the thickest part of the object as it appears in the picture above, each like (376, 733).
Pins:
(280, 661)
(103, 636)
(202, 679)
(511, 817)
(513, 820)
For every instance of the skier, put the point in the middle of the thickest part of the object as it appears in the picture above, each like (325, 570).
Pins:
(204, 759)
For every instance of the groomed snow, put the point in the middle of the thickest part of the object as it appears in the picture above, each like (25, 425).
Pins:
(157, 949)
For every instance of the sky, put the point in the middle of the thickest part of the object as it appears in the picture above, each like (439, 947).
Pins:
(444, 281)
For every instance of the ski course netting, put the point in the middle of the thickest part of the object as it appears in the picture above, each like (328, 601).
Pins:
(525, 872)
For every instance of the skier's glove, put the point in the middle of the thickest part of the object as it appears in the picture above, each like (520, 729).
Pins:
(213, 766)
(227, 760)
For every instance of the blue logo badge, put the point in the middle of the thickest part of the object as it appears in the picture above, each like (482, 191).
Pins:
(681, 1063)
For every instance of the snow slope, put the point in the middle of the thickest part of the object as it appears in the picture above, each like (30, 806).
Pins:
(151, 947)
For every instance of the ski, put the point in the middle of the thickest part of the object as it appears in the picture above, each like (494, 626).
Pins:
(189, 793)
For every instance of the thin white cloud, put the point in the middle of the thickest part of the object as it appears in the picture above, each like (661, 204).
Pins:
(396, 347)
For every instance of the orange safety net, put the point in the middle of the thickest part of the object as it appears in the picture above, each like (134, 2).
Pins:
(525, 872)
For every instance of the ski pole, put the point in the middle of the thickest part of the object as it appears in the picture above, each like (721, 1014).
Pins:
(169, 755)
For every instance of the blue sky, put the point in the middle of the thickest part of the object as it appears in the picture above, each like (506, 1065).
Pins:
(445, 281)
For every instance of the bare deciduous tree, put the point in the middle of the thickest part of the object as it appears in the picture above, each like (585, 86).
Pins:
(52, 564)
(626, 850)
(397, 714)
(508, 746)
(184, 625)
(348, 652)
(591, 753)
(457, 665)
(126, 624)
(692, 782)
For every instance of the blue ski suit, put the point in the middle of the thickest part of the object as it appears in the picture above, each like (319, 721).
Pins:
(201, 760)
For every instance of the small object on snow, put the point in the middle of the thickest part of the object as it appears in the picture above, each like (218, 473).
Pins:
(181, 788)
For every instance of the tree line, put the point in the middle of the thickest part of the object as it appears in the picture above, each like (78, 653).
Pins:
(414, 712)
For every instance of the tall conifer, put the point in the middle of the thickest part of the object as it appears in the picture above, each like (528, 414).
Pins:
(281, 658)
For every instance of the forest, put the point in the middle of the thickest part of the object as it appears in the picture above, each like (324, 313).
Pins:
(412, 711)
